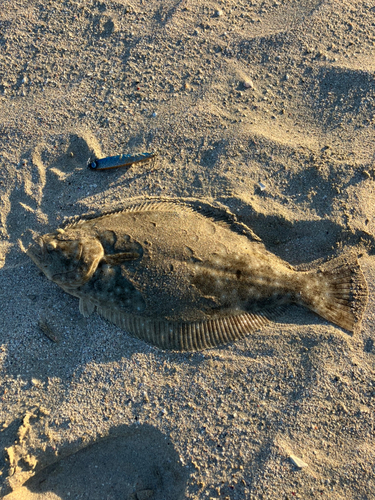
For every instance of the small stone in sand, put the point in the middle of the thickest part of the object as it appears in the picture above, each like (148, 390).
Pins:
(248, 84)
(48, 331)
(298, 462)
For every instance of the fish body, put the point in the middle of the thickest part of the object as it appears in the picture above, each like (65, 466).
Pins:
(185, 275)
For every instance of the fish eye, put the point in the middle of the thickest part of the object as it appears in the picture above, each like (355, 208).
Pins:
(51, 246)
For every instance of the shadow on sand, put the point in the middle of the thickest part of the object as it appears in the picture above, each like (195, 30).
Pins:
(135, 462)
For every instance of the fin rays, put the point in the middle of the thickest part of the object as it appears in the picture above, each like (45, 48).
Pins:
(195, 336)
(347, 293)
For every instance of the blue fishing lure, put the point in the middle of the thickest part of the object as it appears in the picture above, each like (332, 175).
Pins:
(120, 161)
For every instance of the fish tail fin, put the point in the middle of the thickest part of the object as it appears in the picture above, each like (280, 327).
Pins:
(337, 292)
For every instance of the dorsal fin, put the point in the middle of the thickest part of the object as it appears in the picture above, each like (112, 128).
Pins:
(216, 212)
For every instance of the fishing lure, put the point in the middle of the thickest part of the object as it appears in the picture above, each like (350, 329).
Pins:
(120, 161)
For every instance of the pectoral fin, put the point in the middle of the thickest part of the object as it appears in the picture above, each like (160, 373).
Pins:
(119, 258)
(86, 307)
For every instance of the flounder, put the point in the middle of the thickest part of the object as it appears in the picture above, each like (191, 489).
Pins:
(185, 275)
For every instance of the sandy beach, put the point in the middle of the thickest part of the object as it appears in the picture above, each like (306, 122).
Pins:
(264, 107)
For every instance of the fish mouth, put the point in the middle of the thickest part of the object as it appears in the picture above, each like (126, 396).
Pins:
(36, 251)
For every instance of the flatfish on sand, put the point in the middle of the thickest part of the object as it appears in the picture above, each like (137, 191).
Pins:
(186, 275)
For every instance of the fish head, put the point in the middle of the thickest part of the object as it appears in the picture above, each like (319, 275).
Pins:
(69, 258)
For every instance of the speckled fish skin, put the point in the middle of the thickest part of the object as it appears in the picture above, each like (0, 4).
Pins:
(172, 272)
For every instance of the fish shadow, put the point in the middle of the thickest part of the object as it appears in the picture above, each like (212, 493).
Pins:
(300, 242)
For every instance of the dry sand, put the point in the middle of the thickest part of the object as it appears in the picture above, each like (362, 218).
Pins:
(230, 94)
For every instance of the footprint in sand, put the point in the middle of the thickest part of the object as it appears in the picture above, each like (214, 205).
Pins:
(39, 188)
(134, 463)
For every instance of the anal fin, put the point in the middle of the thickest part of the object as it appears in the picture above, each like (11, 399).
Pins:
(194, 336)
